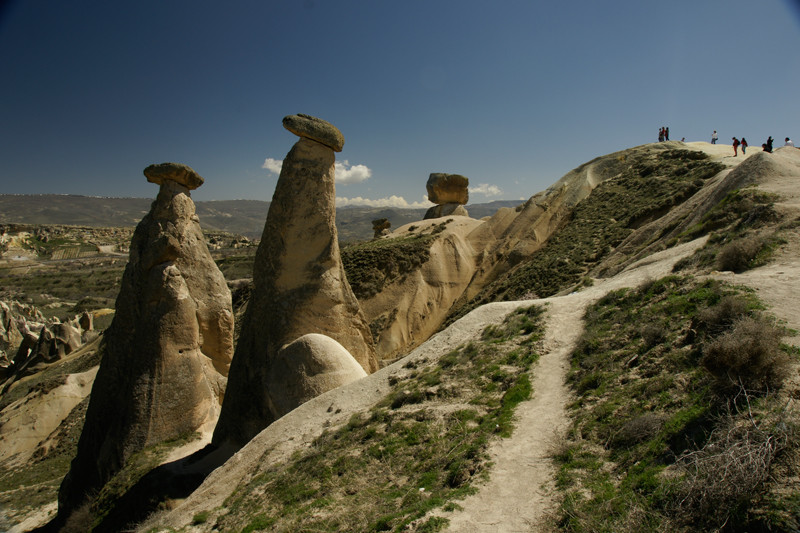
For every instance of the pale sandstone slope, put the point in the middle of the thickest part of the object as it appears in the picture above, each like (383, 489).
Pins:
(517, 495)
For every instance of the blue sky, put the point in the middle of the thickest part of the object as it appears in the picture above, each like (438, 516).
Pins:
(512, 94)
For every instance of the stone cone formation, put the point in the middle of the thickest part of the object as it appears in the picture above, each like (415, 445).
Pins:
(299, 288)
(168, 350)
(450, 193)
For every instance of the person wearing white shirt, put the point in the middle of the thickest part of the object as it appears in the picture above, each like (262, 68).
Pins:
(789, 142)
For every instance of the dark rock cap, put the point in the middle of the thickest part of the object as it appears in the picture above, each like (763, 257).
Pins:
(315, 129)
(448, 188)
(183, 174)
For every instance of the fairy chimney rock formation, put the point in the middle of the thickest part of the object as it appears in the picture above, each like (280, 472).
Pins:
(299, 285)
(450, 192)
(169, 347)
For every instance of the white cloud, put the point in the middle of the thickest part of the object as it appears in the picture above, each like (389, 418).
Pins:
(391, 201)
(273, 165)
(345, 172)
(486, 190)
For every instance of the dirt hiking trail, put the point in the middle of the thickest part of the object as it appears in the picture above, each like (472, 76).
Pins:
(517, 496)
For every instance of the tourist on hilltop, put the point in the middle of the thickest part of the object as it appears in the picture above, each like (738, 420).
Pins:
(714, 137)
(660, 135)
(789, 142)
(769, 144)
(735, 146)
(744, 145)
(666, 133)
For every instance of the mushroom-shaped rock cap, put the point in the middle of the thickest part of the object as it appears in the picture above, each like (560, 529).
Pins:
(315, 129)
(448, 188)
(183, 174)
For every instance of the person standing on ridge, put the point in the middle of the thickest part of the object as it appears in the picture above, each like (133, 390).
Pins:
(744, 145)
(660, 135)
(666, 133)
(789, 142)
(735, 146)
(714, 137)
(769, 144)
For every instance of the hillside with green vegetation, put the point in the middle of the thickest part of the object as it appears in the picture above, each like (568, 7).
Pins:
(646, 188)
(680, 421)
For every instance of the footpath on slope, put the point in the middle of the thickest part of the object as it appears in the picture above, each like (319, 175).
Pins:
(517, 495)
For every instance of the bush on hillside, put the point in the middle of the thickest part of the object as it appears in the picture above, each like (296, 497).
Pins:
(739, 254)
(723, 477)
(748, 356)
(724, 314)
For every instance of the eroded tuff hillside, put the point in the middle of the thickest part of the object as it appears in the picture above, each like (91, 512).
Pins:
(657, 425)
(426, 274)
(422, 283)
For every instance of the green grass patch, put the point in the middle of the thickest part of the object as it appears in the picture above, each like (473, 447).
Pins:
(649, 419)
(387, 468)
(371, 265)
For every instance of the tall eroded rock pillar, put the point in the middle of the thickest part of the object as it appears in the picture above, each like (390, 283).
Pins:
(300, 286)
(169, 347)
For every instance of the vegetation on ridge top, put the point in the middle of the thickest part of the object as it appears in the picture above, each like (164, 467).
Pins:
(646, 187)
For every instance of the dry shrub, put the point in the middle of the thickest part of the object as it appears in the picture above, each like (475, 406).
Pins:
(653, 334)
(737, 255)
(722, 316)
(726, 474)
(638, 429)
(80, 520)
(748, 356)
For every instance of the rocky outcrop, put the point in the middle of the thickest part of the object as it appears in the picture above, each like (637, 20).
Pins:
(380, 227)
(450, 192)
(29, 342)
(445, 210)
(10, 335)
(168, 349)
(299, 287)
(306, 368)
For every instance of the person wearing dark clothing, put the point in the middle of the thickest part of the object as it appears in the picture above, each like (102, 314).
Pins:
(666, 133)
(744, 145)
(769, 144)
(735, 146)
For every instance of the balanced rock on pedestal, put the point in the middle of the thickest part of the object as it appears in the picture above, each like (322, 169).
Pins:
(450, 192)
(169, 347)
(299, 286)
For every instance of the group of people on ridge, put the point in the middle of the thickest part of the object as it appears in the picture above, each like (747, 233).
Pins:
(767, 146)
(663, 134)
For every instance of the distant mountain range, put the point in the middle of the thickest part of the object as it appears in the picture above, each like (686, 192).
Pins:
(244, 217)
